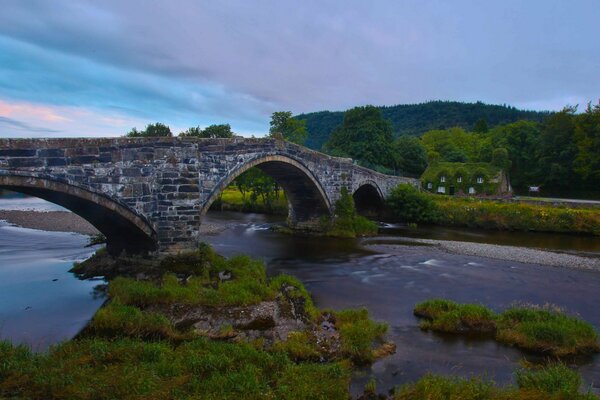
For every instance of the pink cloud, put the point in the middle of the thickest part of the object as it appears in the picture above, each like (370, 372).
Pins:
(26, 119)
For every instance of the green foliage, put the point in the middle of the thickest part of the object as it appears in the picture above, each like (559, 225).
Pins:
(411, 155)
(500, 158)
(409, 204)
(300, 346)
(211, 131)
(467, 173)
(552, 382)
(555, 378)
(260, 191)
(453, 145)
(289, 128)
(542, 330)
(546, 331)
(152, 130)
(357, 333)
(118, 320)
(296, 290)
(131, 368)
(416, 119)
(346, 222)
(364, 136)
(489, 214)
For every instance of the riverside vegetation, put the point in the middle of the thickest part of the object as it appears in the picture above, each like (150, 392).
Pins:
(543, 330)
(150, 339)
(409, 204)
(552, 382)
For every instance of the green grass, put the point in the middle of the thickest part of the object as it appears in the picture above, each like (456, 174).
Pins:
(232, 200)
(489, 214)
(552, 382)
(546, 331)
(118, 320)
(93, 368)
(248, 285)
(537, 329)
(358, 333)
(130, 350)
(448, 316)
(410, 205)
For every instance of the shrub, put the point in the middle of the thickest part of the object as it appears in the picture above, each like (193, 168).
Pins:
(357, 334)
(409, 204)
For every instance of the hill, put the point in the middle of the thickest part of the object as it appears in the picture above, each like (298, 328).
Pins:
(416, 119)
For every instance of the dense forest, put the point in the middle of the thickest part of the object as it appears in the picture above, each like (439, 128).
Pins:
(416, 119)
(561, 154)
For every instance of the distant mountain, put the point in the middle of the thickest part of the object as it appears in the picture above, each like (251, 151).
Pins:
(416, 119)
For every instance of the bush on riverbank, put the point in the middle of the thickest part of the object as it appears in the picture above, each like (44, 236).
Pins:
(532, 328)
(410, 205)
(347, 223)
(552, 382)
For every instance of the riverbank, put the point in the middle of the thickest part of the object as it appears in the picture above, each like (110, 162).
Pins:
(505, 253)
(53, 221)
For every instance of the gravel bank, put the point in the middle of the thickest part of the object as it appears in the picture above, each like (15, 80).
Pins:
(57, 221)
(507, 253)
(63, 221)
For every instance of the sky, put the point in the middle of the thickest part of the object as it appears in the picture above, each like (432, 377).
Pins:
(99, 68)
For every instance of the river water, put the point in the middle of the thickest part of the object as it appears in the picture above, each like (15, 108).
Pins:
(41, 303)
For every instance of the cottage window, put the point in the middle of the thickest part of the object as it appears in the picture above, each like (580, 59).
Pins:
(472, 190)
(459, 179)
(443, 179)
(441, 189)
(480, 179)
(429, 185)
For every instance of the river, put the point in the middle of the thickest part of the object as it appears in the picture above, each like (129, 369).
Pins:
(41, 303)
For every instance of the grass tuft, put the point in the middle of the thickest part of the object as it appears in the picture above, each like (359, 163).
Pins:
(531, 328)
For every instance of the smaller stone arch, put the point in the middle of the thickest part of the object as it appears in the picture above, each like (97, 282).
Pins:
(368, 199)
(307, 200)
(124, 228)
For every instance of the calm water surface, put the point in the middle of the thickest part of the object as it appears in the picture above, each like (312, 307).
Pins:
(41, 303)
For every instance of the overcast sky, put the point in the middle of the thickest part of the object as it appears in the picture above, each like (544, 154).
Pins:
(99, 68)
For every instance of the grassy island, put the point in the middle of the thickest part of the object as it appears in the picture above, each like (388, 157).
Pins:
(200, 326)
(537, 329)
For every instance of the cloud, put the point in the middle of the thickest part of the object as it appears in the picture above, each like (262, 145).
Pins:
(11, 124)
(188, 62)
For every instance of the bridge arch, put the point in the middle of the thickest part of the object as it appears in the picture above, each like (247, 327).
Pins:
(368, 199)
(124, 228)
(307, 199)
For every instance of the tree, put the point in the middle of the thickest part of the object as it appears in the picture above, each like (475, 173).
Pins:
(411, 155)
(480, 126)
(587, 137)
(500, 158)
(409, 204)
(453, 145)
(365, 136)
(292, 130)
(152, 130)
(211, 131)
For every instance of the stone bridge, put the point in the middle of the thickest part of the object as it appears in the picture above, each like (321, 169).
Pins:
(149, 194)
